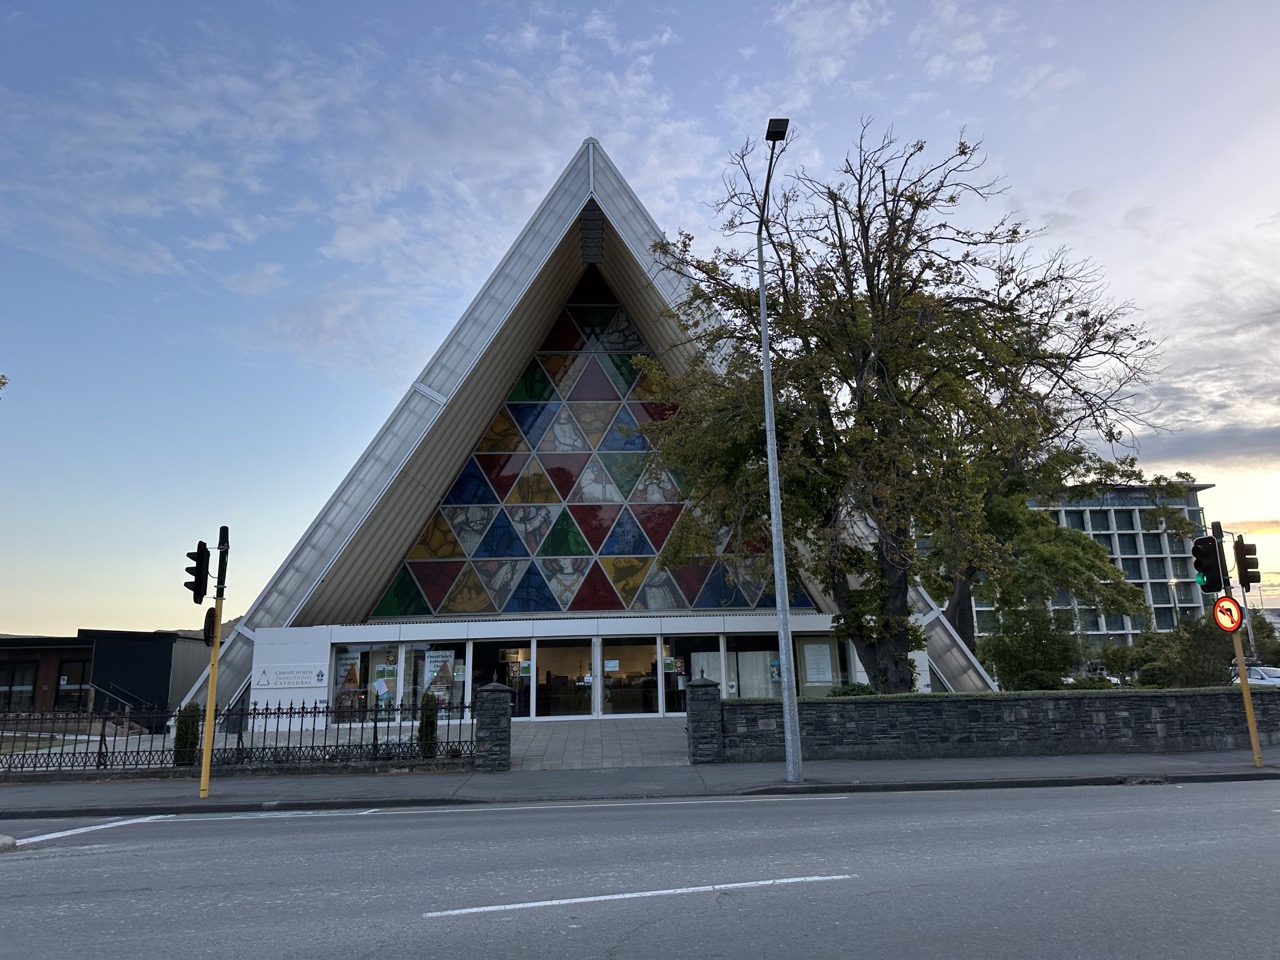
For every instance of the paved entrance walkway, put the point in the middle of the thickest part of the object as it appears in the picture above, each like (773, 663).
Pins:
(597, 744)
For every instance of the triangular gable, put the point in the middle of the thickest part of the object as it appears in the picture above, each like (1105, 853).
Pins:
(346, 558)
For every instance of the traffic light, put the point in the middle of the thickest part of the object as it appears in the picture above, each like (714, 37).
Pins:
(199, 582)
(1207, 564)
(1247, 563)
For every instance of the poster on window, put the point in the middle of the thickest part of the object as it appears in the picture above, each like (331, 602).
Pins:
(817, 663)
(346, 678)
(384, 683)
(437, 673)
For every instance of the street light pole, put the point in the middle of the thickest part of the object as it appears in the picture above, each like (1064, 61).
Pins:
(790, 709)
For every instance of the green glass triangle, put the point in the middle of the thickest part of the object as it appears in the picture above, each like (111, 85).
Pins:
(534, 386)
(622, 371)
(625, 468)
(593, 322)
(403, 598)
(565, 539)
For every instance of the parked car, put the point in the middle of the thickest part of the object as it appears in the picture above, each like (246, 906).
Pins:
(1261, 676)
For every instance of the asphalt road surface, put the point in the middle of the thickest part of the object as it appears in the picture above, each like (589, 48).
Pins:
(1098, 872)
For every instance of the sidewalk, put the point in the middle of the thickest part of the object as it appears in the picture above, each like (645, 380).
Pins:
(365, 791)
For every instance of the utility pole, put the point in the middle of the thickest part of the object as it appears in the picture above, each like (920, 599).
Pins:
(211, 701)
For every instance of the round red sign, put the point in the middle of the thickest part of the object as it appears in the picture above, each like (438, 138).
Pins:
(1226, 614)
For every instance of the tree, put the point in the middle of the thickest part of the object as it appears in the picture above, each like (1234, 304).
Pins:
(921, 367)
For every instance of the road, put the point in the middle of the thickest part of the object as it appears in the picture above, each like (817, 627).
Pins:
(1097, 872)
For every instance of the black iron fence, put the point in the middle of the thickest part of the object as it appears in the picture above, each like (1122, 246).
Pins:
(255, 735)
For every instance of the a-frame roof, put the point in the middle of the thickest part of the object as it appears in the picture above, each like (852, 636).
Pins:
(591, 216)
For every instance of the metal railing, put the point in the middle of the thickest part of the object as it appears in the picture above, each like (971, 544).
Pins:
(251, 736)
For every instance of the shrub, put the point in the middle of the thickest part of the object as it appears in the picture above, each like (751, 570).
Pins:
(1037, 680)
(853, 690)
(427, 725)
(1093, 683)
(186, 736)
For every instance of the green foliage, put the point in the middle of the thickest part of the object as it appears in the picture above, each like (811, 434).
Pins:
(1193, 654)
(930, 379)
(1031, 640)
(854, 690)
(186, 736)
(1092, 683)
(1036, 680)
(427, 722)
(1119, 660)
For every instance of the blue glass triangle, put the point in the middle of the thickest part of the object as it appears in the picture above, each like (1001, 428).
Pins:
(719, 592)
(531, 594)
(533, 419)
(471, 486)
(799, 600)
(628, 439)
(501, 540)
(626, 539)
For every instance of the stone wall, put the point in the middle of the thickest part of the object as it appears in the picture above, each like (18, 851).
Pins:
(989, 725)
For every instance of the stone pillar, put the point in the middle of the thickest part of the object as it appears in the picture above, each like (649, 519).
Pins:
(492, 712)
(704, 725)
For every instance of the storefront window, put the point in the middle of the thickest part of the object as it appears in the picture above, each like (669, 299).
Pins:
(17, 686)
(73, 685)
(822, 665)
(685, 659)
(502, 662)
(754, 669)
(436, 668)
(629, 669)
(564, 677)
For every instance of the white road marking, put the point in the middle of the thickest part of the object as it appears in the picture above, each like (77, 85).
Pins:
(710, 888)
(97, 826)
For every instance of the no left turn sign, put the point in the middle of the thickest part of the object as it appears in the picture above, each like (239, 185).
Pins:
(1226, 614)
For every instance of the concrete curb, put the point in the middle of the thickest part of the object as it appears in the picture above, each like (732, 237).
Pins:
(775, 789)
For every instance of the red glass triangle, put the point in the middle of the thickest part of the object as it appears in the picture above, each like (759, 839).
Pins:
(435, 577)
(594, 384)
(595, 520)
(565, 337)
(502, 469)
(596, 592)
(564, 469)
(653, 411)
(656, 520)
(690, 577)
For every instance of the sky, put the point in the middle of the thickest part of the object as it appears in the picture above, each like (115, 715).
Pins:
(233, 233)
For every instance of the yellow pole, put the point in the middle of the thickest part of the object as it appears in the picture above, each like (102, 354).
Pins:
(211, 704)
(1243, 673)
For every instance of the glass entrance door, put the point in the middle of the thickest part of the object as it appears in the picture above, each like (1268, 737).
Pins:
(629, 675)
(564, 675)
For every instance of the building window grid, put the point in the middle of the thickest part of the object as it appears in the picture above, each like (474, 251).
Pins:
(1132, 553)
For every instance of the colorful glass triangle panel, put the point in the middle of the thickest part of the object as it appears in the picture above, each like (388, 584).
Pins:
(690, 577)
(503, 436)
(656, 486)
(596, 592)
(533, 419)
(437, 541)
(471, 486)
(625, 469)
(720, 592)
(625, 435)
(501, 540)
(534, 386)
(657, 520)
(500, 578)
(799, 600)
(533, 522)
(564, 435)
(565, 539)
(563, 576)
(564, 469)
(593, 321)
(533, 486)
(435, 578)
(621, 336)
(595, 485)
(594, 384)
(469, 524)
(627, 575)
(532, 595)
(564, 337)
(594, 419)
(595, 521)
(564, 369)
(502, 470)
(660, 592)
(403, 598)
(468, 595)
(622, 370)
(626, 539)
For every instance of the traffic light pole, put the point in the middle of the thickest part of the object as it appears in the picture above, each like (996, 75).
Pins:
(1242, 671)
(211, 701)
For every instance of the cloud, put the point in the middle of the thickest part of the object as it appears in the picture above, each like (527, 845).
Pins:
(955, 41)
(263, 278)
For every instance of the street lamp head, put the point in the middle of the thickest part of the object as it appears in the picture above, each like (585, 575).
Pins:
(777, 129)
